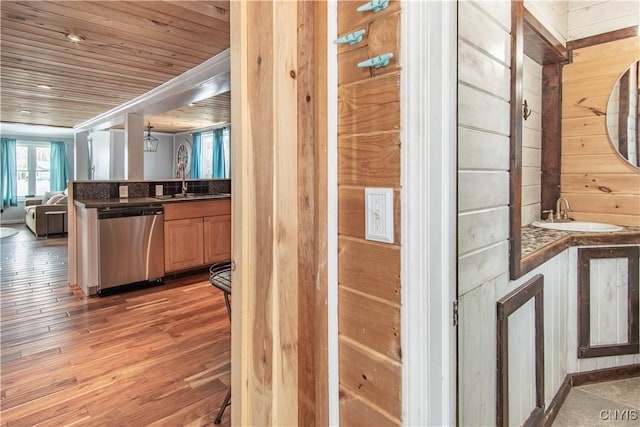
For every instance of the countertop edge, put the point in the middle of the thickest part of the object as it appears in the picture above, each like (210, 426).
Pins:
(545, 253)
(141, 201)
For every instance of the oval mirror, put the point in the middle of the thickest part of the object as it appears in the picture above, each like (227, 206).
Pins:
(622, 115)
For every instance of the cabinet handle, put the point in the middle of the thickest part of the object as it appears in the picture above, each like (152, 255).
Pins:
(375, 5)
(377, 61)
(351, 39)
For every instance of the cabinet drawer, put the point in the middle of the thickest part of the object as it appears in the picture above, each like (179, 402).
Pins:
(196, 209)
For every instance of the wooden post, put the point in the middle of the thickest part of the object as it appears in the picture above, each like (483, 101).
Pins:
(134, 150)
(279, 281)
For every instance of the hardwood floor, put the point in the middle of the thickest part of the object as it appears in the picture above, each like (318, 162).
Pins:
(157, 356)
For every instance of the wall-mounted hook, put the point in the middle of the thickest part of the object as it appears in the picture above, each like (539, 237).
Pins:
(375, 5)
(377, 61)
(526, 112)
(351, 39)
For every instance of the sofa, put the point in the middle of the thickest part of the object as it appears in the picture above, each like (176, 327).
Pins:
(35, 216)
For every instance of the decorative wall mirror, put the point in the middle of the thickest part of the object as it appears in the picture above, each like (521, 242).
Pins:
(622, 115)
(183, 158)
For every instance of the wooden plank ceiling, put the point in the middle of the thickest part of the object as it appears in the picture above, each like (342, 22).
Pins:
(128, 48)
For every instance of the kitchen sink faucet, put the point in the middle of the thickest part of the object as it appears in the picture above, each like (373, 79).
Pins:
(184, 182)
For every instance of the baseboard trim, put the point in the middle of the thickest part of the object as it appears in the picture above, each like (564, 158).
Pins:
(556, 403)
(582, 378)
(12, 221)
(609, 374)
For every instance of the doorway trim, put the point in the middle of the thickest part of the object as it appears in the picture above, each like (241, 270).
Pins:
(429, 212)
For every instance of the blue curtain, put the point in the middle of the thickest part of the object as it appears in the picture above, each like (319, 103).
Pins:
(218, 154)
(9, 174)
(59, 167)
(195, 156)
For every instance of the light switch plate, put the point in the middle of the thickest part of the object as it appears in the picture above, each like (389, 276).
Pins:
(159, 190)
(124, 191)
(379, 214)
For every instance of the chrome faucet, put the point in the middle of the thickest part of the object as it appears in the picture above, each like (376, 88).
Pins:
(184, 182)
(560, 213)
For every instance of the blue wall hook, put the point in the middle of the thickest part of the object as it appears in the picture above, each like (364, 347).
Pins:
(351, 39)
(375, 5)
(377, 61)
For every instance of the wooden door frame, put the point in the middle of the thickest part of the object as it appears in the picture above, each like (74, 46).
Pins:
(429, 212)
(279, 213)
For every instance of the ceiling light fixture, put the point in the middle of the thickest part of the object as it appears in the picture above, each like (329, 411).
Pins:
(44, 86)
(25, 111)
(75, 38)
(150, 142)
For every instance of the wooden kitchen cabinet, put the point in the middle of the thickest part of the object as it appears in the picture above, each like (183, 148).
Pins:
(197, 234)
(217, 238)
(183, 244)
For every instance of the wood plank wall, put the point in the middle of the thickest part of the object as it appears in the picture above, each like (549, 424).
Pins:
(484, 76)
(599, 184)
(370, 358)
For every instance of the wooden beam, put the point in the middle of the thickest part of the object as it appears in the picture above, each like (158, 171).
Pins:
(279, 328)
(515, 140)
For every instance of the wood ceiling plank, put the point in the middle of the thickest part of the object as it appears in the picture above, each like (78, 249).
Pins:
(129, 48)
(84, 82)
(152, 78)
(218, 10)
(41, 53)
(174, 17)
(12, 31)
(58, 15)
(109, 12)
(37, 95)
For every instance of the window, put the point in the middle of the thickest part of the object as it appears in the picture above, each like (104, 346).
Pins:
(32, 164)
(207, 154)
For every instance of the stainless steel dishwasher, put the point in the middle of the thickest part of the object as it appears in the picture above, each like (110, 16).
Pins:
(131, 245)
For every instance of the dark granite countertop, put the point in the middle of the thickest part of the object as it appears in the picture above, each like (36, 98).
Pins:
(146, 201)
(536, 239)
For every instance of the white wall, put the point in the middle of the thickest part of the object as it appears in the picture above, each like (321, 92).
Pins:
(483, 198)
(160, 164)
(117, 159)
(101, 154)
(589, 18)
(554, 15)
(109, 156)
(531, 142)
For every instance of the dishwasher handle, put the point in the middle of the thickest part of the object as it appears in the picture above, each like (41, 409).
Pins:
(106, 213)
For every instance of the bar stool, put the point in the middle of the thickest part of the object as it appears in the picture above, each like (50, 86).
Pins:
(220, 277)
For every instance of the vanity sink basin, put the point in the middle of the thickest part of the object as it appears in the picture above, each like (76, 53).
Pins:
(592, 227)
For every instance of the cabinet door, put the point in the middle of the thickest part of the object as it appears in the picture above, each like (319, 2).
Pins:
(183, 244)
(217, 238)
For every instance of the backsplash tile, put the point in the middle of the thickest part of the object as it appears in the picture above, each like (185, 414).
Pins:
(110, 189)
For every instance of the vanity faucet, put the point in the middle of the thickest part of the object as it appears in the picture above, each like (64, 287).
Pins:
(562, 213)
